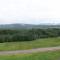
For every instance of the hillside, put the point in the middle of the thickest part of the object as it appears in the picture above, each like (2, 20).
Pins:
(27, 26)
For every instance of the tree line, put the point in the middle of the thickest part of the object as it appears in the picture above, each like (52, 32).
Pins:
(27, 35)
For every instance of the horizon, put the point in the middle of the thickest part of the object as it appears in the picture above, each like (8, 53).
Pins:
(32, 23)
(36, 22)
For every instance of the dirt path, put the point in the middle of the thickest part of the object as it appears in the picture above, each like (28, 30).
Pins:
(30, 51)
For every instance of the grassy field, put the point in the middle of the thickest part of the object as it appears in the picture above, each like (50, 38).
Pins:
(34, 56)
(47, 42)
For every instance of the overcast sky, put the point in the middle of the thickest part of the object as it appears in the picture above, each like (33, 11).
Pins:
(29, 11)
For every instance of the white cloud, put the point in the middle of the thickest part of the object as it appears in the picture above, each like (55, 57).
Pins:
(54, 9)
(29, 11)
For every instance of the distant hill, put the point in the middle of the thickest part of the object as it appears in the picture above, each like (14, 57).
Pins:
(28, 26)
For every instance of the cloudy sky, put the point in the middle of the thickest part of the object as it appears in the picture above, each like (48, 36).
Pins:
(29, 11)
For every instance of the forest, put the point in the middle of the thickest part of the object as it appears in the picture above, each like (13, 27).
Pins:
(27, 34)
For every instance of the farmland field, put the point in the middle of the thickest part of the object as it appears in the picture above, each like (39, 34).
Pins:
(39, 43)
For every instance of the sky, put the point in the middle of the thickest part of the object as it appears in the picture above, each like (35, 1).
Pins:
(29, 11)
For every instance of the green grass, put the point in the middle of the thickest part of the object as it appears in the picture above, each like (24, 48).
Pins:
(47, 42)
(34, 56)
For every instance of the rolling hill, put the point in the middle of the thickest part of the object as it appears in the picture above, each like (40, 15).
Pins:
(27, 26)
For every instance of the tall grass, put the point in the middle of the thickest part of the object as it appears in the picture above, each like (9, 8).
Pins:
(47, 42)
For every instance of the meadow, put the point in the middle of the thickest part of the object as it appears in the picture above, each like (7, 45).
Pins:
(34, 56)
(38, 43)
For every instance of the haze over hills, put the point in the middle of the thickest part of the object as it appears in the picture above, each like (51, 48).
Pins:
(28, 11)
(28, 26)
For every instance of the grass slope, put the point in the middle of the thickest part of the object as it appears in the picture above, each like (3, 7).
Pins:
(34, 56)
(47, 42)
